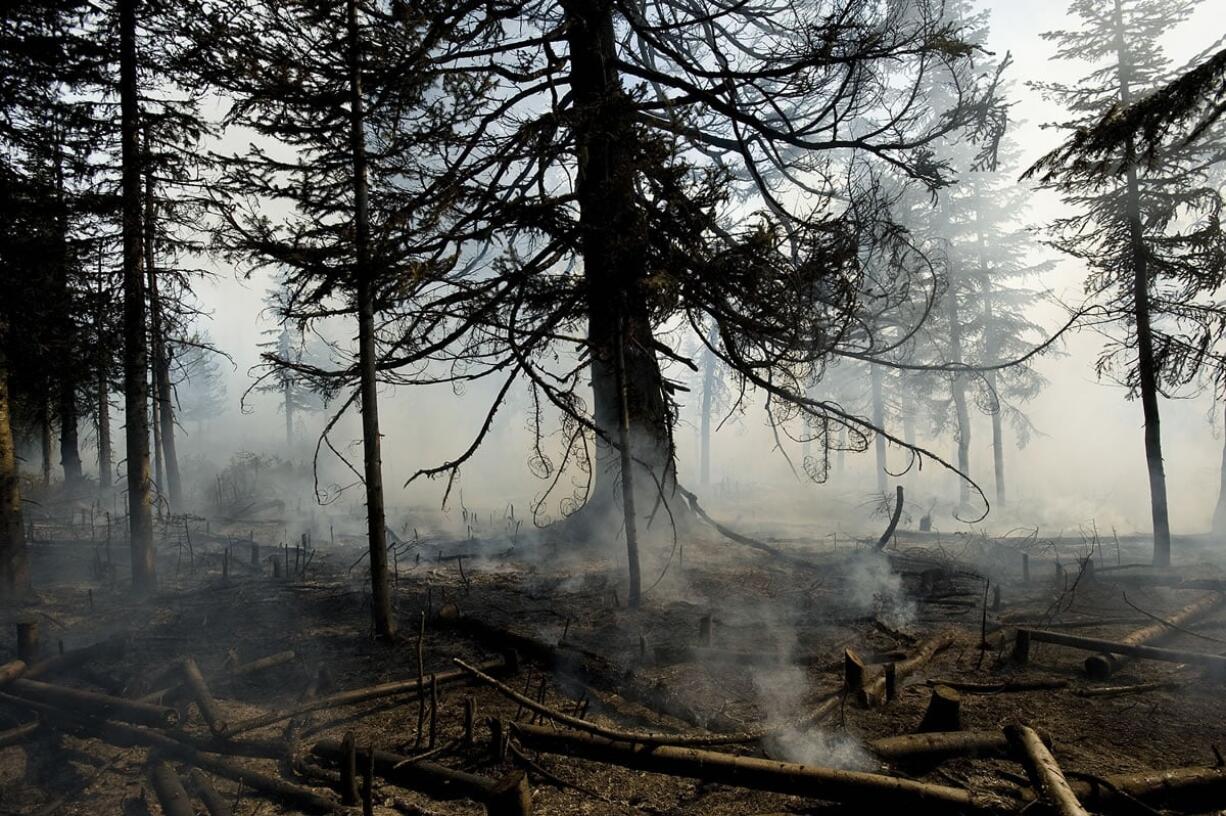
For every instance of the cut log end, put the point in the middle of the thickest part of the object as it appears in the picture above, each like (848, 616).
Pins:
(510, 796)
(944, 711)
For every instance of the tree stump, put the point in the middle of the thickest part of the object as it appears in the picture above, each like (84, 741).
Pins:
(27, 641)
(853, 672)
(1021, 648)
(944, 711)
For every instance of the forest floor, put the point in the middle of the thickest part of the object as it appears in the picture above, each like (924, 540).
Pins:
(729, 638)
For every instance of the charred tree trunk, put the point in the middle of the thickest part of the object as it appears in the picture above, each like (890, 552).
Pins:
(289, 415)
(44, 428)
(70, 453)
(879, 420)
(163, 415)
(626, 464)
(614, 271)
(106, 479)
(1147, 369)
(376, 525)
(135, 352)
(1219, 512)
(159, 473)
(957, 388)
(708, 399)
(14, 565)
(993, 355)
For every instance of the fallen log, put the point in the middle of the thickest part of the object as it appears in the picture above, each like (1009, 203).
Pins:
(124, 735)
(413, 687)
(642, 737)
(499, 796)
(18, 735)
(1045, 775)
(1120, 691)
(231, 674)
(1102, 666)
(852, 788)
(589, 669)
(112, 647)
(11, 670)
(1003, 687)
(1111, 648)
(93, 704)
(1194, 789)
(939, 745)
(874, 690)
(171, 794)
(260, 664)
(213, 801)
(194, 680)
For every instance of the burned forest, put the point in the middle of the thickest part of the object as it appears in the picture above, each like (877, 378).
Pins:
(612, 407)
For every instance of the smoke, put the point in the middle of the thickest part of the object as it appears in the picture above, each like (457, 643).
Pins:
(873, 588)
(782, 692)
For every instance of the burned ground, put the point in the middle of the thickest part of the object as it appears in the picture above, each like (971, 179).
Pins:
(728, 640)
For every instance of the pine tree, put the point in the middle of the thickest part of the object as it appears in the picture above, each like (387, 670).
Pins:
(1150, 235)
(663, 123)
(342, 87)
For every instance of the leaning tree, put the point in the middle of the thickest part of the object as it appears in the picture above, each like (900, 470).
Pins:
(1149, 232)
(638, 167)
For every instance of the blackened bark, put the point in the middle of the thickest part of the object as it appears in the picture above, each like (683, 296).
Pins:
(992, 346)
(708, 398)
(957, 387)
(1219, 512)
(613, 268)
(289, 415)
(630, 523)
(44, 429)
(879, 421)
(135, 352)
(163, 414)
(1147, 370)
(381, 599)
(70, 454)
(106, 480)
(14, 564)
(159, 474)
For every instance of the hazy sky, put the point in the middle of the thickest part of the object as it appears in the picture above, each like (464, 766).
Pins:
(1087, 466)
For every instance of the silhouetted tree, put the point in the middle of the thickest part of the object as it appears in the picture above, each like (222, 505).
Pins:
(592, 199)
(1150, 231)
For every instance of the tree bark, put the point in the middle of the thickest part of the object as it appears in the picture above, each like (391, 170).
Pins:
(864, 791)
(614, 269)
(106, 479)
(993, 353)
(626, 466)
(879, 420)
(163, 415)
(14, 564)
(708, 398)
(135, 353)
(376, 525)
(1147, 370)
(70, 453)
(44, 423)
(1219, 512)
(957, 388)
